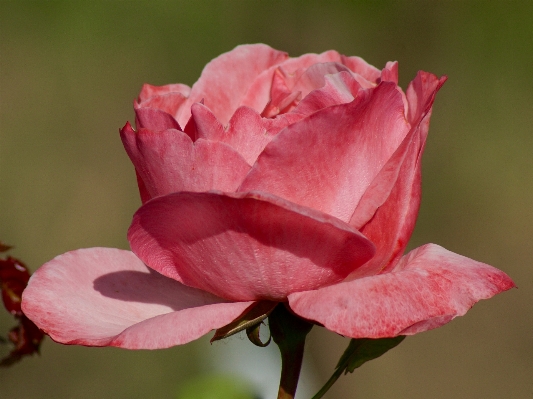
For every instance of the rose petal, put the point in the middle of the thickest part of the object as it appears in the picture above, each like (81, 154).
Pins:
(314, 77)
(226, 80)
(258, 94)
(154, 119)
(390, 72)
(369, 73)
(340, 88)
(388, 209)
(247, 133)
(148, 91)
(169, 161)
(429, 287)
(323, 161)
(245, 246)
(108, 297)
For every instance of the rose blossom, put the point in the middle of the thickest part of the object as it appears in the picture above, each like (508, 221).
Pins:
(279, 179)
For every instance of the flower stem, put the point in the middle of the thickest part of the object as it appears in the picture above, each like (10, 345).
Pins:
(288, 332)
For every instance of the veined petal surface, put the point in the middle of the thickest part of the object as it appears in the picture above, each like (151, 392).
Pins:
(327, 160)
(108, 297)
(245, 246)
(169, 161)
(428, 288)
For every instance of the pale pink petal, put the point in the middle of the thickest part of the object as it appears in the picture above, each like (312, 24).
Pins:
(429, 287)
(362, 68)
(170, 99)
(168, 161)
(258, 94)
(340, 88)
(247, 132)
(150, 91)
(108, 297)
(314, 76)
(388, 210)
(323, 161)
(245, 246)
(225, 80)
(390, 74)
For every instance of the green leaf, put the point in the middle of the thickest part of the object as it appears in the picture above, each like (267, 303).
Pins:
(359, 351)
(362, 350)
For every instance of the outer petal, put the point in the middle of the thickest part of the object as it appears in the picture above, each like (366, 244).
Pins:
(108, 297)
(429, 287)
(245, 246)
(169, 161)
(225, 80)
(327, 160)
(154, 119)
(388, 210)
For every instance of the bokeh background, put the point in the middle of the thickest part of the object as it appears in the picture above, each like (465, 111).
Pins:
(69, 71)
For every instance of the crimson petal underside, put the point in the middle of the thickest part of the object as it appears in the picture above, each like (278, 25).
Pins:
(108, 297)
(428, 288)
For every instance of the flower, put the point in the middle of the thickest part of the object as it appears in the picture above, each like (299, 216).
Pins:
(272, 179)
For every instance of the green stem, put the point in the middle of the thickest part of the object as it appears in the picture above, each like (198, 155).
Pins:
(328, 384)
(289, 332)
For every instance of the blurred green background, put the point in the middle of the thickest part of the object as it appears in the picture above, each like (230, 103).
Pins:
(70, 70)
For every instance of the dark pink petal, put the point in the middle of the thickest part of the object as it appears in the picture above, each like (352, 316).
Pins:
(281, 97)
(108, 297)
(429, 287)
(390, 72)
(226, 80)
(169, 161)
(327, 160)
(388, 209)
(154, 119)
(207, 126)
(245, 246)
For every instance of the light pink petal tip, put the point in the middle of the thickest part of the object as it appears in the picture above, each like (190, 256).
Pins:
(428, 288)
(222, 87)
(108, 297)
(245, 246)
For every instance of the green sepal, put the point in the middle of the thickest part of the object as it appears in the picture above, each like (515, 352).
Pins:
(251, 318)
(362, 350)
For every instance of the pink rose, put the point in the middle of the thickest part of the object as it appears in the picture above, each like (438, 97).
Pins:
(278, 179)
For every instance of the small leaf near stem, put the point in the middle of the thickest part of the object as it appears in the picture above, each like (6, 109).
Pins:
(250, 321)
(359, 351)
(289, 332)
